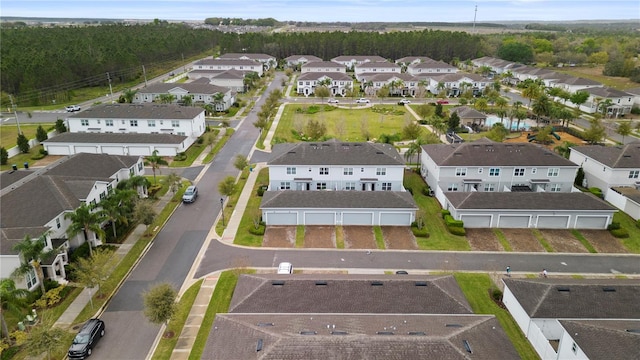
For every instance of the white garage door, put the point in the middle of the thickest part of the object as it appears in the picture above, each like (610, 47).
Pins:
(274, 218)
(113, 150)
(553, 222)
(513, 221)
(357, 218)
(86, 149)
(476, 221)
(139, 150)
(319, 218)
(58, 150)
(166, 151)
(398, 219)
(591, 222)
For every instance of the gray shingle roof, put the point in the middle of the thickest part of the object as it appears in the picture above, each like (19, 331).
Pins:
(494, 154)
(457, 77)
(338, 199)
(139, 111)
(116, 138)
(309, 58)
(409, 59)
(371, 337)
(617, 157)
(221, 74)
(466, 112)
(433, 64)
(578, 81)
(606, 92)
(378, 64)
(585, 298)
(335, 153)
(605, 339)
(191, 88)
(227, 62)
(359, 58)
(322, 64)
(335, 76)
(387, 76)
(349, 294)
(483, 200)
(253, 56)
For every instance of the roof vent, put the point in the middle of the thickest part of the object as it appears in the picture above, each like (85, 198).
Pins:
(421, 283)
(635, 331)
(417, 333)
(291, 152)
(265, 324)
(384, 332)
(467, 346)
(277, 282)
(609, 289)
(627, 156)
(339, 333)
(321, 283)
(453, 325)
(379, 153)
(563, 289)
(376, 283)
(259, 345)
(308, 332)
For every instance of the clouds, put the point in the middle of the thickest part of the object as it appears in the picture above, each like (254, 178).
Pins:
(330, 10)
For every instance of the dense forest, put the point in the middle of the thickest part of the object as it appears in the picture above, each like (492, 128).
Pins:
(44, 64)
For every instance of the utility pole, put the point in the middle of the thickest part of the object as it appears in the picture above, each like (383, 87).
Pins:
(474, 20)
(110, 88)
(15, 113)
(145, 75)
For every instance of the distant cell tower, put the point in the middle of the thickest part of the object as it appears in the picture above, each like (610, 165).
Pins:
(474, 20)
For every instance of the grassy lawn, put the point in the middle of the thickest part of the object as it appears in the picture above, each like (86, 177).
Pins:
(22, 158)
(243, 236)
(196, 149)
(216, 148)
(377, 120)
(547, 247)
(506, 245)
(439, 237)
(632, 243)
(595, 73)
(166, 346)
(377, 232)
(475, 288)
(9, 133)
(300, 236)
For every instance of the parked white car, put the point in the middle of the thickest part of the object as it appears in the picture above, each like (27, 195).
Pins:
(333, 101)
(404, 102)
(362, 101)
(72, 108)
(285, 268)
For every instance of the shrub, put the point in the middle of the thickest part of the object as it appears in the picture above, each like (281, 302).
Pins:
(635, 110)
(614, 226)
(181, 156)
(426, 190)
(23, 143)
(420, 232)
(41, 134)
(200, 140)
(456, 230)
(596, 191)
(450, 221)
(621, 233)
(262, 189)
(445, 213)
(50, 298)
(496, 294)
(153, 189)
(4, 156)
(257, 231)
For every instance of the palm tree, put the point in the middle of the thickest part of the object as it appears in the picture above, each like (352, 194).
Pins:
(415, 148)
(166, 98)
(116, 207)
(154, 160)
(128, 95)
(84, 220)
(501, 103)
(218, 100)
(530, 92)
(12, 300)
(542, 106)
(186, 100)
(32, 253)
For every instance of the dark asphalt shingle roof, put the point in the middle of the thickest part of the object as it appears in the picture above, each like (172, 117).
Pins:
(607, 92)
(139, 111)
(586, 299)
(338, 199)
(227, 62)
(488, 153)
(605, 339)
(371, 337)
(345, 58)
(309, 58)
(335, 153)
(335, 76)
(485, 200)
(616, 157)
(378, 65)
(322, 64)
(117, 138)
(466, 112)
(387, 76)
(191, 88)
(253, 56)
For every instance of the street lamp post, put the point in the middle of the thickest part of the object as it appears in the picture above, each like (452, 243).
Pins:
(222, 209)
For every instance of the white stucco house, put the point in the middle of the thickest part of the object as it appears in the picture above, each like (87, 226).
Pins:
(510, 185)
(201, 92)
(573, 84)
(433, 67)
(364, 71)
(266, 60)
(130, 129)
(455, 84)
(399, 84)
(350, 61)
(337, 83)
(294, 61)
(496, 65)
(34, 202)
(571, 319)
(408, 60)
(243, 65)
(617, 102)
(336, 183)
(323, 67)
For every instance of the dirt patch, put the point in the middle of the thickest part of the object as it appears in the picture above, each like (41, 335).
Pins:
(563, 241)
(319, 236)
(563, 137)
(359, 237)
(399, 237)
(522, 240)
(603, 241)
(483, 240)
(279, 236)
(47, 160)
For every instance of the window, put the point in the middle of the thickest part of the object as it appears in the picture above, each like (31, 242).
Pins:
(285, 185)
(574, 348)
(175, 123)
(381, 171)
(131, 172)
(461, 171)
(552, 172)
(324, 171)
(133, 122)
(58, 223)
(291, 171)
(348, 171)
(480, 170)
(556, 188)
(386, 186)
(494, 172)
(534, 170)
(109, 188)
(30, 278)
(633, 174)
(84, 122)
(321, 186)
(140, 166)
(350, 186)
(151, 123)
(518, 172)
(489, 187)
(103, 195)
(181, 133)
(108, 122)
(452, 187)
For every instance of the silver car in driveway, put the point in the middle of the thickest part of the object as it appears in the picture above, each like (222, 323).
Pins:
(190, 194)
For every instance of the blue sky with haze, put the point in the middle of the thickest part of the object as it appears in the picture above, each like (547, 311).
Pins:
(329, 10)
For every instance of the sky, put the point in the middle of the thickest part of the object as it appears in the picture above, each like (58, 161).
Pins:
(330, 10)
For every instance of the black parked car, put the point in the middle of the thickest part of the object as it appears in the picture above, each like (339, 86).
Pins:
(86, 339)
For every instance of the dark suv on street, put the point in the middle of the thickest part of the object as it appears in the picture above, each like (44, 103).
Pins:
(86, 339)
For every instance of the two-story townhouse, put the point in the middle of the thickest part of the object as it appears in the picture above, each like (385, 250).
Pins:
(635, 92)
(350, 61)
(529, 72)
(615, 102)
(229, 64)
(323, 67)
(456, 84)
(34, 202)
(333, 183)
(296, 61)
(130, 129)
(425, 69)
(364, 71)
(497, 66)
(266, 60)
(200, 92)
(408, 60)
(489, 184)
(231, 79)
(573, 84)
(337, 83)
(399, 84)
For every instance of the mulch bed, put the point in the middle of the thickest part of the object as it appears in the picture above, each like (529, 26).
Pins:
(359, 237)
(399, 237)
(483, 240)
(279, 236)
(603, 241)
(563, 241)
(522, 240)
(319, 237)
